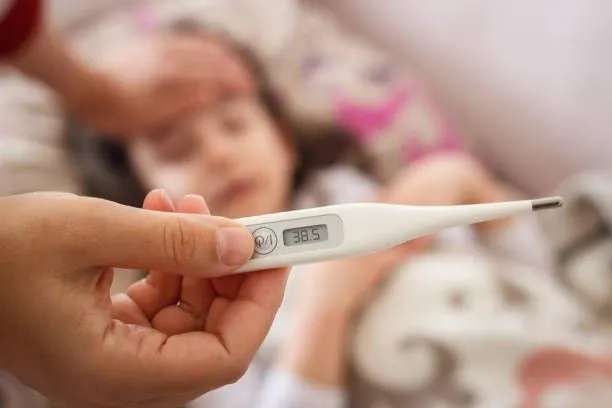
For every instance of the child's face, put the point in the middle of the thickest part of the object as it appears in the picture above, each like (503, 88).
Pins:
(232, 153)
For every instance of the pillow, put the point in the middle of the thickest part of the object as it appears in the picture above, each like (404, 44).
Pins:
(491, 333)
(328, 74)
(31, 154)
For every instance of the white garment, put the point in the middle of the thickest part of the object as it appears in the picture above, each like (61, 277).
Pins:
(283, 389)
(15, 395)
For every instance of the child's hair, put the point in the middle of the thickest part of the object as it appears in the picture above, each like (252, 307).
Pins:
(106, 172)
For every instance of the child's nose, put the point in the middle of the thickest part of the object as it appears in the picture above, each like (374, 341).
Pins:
(219, 153)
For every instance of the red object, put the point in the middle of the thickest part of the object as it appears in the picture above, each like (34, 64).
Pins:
(550, 367)
(18, 25)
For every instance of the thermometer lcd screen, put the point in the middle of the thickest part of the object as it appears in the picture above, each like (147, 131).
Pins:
(305, 235)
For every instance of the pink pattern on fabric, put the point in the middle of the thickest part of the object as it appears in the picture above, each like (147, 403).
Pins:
(447, 141)
(367, 121)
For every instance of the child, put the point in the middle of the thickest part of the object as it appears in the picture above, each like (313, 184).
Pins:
(246, 157)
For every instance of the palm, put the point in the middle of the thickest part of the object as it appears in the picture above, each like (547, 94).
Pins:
(188, 325)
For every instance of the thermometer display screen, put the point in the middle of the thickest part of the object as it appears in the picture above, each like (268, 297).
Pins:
(305, 235)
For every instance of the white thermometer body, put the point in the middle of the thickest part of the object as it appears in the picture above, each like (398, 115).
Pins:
(336, 231)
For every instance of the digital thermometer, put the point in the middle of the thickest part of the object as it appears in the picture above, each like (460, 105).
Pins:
(336, 231)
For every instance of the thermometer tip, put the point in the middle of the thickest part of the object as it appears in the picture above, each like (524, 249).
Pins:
(546, 203)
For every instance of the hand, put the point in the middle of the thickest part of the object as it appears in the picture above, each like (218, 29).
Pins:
(446, 179)
(150, 84)
(62, 334)
(443, 179)
(138, 88)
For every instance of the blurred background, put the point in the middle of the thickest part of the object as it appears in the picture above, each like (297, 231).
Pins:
(524, 88)
(526, 82)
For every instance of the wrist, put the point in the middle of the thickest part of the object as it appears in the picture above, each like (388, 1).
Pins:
(316, 351)
(318, 319)
(338, 298)
(88, 92)
(335, 313)
(50, 61)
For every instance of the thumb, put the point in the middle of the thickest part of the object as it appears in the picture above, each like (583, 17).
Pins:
(104, 233)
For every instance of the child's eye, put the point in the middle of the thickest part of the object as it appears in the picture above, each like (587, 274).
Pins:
(174, 146)
(233, 125)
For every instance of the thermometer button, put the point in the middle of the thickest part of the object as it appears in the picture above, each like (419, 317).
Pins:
(265, 240)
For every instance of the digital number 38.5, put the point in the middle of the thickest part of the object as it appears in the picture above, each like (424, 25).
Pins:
(306, 234)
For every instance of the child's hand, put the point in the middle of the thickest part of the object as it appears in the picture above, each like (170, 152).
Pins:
(446, 179)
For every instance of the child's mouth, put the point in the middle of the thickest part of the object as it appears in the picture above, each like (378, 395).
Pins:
(235, 189)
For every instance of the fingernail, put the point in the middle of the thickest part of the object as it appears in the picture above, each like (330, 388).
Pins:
(234, 246)
(195, 197)
(160, 194)
(166, 198)
(195, 203)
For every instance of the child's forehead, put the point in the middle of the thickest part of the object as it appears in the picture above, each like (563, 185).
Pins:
(243, 105)
(220, 41)
(214, 43)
